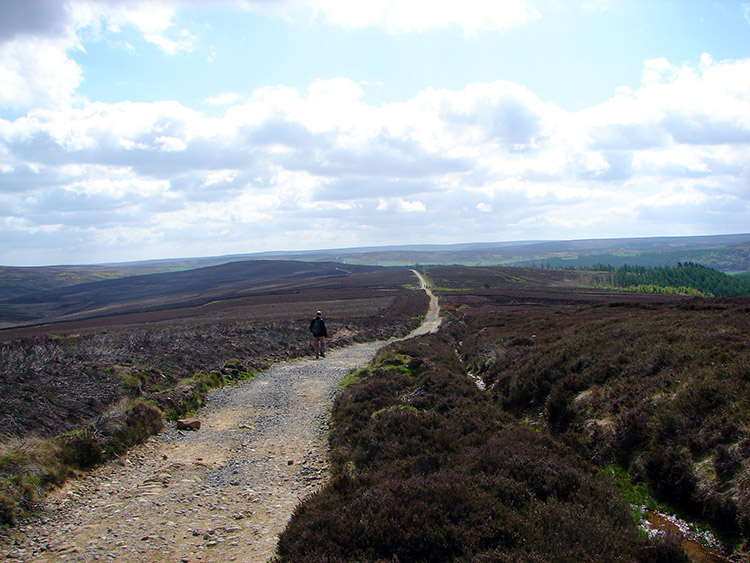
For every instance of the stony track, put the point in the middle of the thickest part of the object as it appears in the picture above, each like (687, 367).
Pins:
(222, 493)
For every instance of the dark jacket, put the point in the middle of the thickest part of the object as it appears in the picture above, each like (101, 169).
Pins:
(318, 327)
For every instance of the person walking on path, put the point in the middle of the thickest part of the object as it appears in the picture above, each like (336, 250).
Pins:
(319, 334)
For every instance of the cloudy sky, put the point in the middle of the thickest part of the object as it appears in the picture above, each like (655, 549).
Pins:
(137, 130)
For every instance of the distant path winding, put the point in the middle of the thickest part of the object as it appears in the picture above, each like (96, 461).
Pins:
(221, 494)
(433, 319)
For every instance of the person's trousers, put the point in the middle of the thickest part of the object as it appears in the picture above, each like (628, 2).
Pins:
(319, 346)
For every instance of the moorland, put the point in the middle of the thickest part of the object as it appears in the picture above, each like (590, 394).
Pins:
(158, 296)
(82, 390)
(726, 253)
(544, 422)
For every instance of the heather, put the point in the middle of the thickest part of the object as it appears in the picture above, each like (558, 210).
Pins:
(578, 385)
(426, 467)
(657, 386)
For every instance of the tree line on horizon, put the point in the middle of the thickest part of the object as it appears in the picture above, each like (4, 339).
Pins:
(735, 260)
(686, 278)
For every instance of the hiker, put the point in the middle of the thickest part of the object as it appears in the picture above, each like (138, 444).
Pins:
(319, 334)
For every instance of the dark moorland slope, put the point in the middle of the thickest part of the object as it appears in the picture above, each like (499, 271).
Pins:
(169, 290)
(580, 385)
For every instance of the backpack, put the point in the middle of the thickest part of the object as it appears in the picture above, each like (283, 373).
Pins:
(317, 328)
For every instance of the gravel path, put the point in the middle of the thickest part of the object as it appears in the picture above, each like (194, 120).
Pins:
(223, 493)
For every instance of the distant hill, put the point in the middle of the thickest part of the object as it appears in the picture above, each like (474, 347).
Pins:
(33, 294)
(16, 281)
(170, 289)
(727, 253)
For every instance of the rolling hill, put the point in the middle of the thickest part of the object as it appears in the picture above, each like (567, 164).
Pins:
(171, 290)
(51, 293)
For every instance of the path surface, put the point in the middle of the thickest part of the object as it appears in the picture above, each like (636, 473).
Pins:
(221, 494)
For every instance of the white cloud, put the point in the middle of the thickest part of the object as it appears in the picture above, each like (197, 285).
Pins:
(597, 5)
(404, 16)
(219, 176)
(488, 161)
(656, 71)
(401, 205)
(224, 99)
(154, 19)
(170, 144)
(683, 104)
(36, 68)
(37, 73)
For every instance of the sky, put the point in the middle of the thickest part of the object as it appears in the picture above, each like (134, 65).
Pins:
(134, 130)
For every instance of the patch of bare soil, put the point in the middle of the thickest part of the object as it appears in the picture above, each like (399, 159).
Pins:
(222, 493)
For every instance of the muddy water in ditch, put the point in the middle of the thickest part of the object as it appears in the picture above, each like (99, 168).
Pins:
(700, 548)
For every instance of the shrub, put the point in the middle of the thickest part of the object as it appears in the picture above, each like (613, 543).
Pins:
(670, 472)
(558, 409)
(725, 462)
(30, 467)
(664, 548)
(81, 448)
(631, 433)
(27, 468)
(9, 503)
(665, 383)
(428, 469)
(143, 420)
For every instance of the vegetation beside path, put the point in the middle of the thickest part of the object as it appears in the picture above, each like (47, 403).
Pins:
(579, 385)
(71, 401)
(427, 468)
